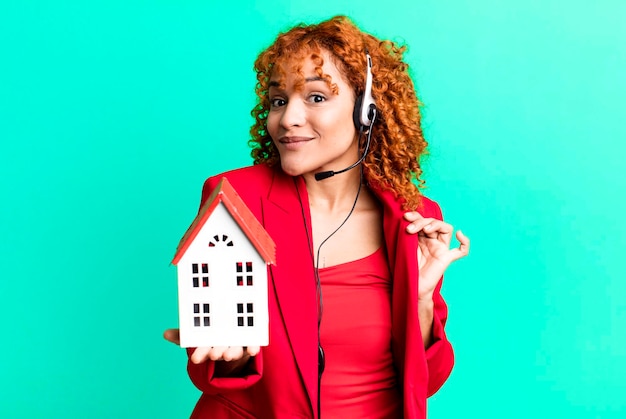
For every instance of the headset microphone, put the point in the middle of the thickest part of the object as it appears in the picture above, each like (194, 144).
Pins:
(325, 175)
(364, 115)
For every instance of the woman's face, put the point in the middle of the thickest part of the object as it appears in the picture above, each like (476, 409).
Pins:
(312, 127)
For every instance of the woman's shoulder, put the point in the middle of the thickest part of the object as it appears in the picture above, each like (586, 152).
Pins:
(429, 208)
(396, 205)
(249, 177)
(249, 173)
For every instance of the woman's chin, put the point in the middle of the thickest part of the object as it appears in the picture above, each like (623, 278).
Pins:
(292, 170)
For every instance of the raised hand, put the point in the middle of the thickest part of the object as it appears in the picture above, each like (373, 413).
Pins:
(434, 254)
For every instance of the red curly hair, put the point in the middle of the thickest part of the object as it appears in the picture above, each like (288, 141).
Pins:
(397, 145)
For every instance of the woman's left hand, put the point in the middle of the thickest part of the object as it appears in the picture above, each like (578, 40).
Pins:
(433, 253)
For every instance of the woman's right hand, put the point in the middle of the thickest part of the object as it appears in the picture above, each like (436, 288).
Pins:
(215, 353)
(172, 335)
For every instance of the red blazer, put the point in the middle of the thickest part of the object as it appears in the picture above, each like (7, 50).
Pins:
(282, 380)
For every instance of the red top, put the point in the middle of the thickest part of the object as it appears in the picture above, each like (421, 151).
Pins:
(359, 378)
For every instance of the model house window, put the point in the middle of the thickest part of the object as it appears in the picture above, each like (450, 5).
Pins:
(249, 279)
(245, 318)
(220, 239)
(201, 318)
(200, 270)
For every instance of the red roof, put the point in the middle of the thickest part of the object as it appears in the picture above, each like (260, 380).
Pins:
(226, 194)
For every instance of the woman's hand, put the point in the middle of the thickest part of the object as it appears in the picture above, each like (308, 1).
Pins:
(433, 253)
(172, 335)
(224, 353)
(215, 353)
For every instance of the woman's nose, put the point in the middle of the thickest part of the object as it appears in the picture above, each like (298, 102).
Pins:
(294, 114)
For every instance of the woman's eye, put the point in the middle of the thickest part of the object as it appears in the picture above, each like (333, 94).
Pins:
(315, 98)
(277, 102)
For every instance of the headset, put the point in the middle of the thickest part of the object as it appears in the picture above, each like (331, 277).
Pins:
(364, 116)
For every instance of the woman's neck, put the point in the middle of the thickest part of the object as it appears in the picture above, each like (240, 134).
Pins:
(335, 193)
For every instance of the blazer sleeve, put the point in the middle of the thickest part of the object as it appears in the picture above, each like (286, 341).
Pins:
(439, 355)
(204, 375)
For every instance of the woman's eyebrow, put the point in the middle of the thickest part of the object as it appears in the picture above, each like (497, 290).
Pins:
(274, 83)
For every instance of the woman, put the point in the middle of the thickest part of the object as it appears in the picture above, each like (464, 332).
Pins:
(356, 315)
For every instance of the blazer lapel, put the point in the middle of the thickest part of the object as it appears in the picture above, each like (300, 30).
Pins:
(293, 277)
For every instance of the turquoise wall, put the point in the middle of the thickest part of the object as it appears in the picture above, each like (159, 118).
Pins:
(112, 113)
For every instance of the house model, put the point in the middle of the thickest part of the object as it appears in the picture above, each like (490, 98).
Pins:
(222, 274)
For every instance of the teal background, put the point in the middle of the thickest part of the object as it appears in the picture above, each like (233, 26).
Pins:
(112, 113)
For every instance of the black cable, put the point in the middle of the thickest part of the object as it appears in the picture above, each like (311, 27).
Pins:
(320, 300)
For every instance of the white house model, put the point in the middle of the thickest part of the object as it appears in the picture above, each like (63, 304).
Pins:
(222, 274)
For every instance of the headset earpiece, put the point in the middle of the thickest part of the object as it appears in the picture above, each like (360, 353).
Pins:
(364, 106)
(356, 115)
